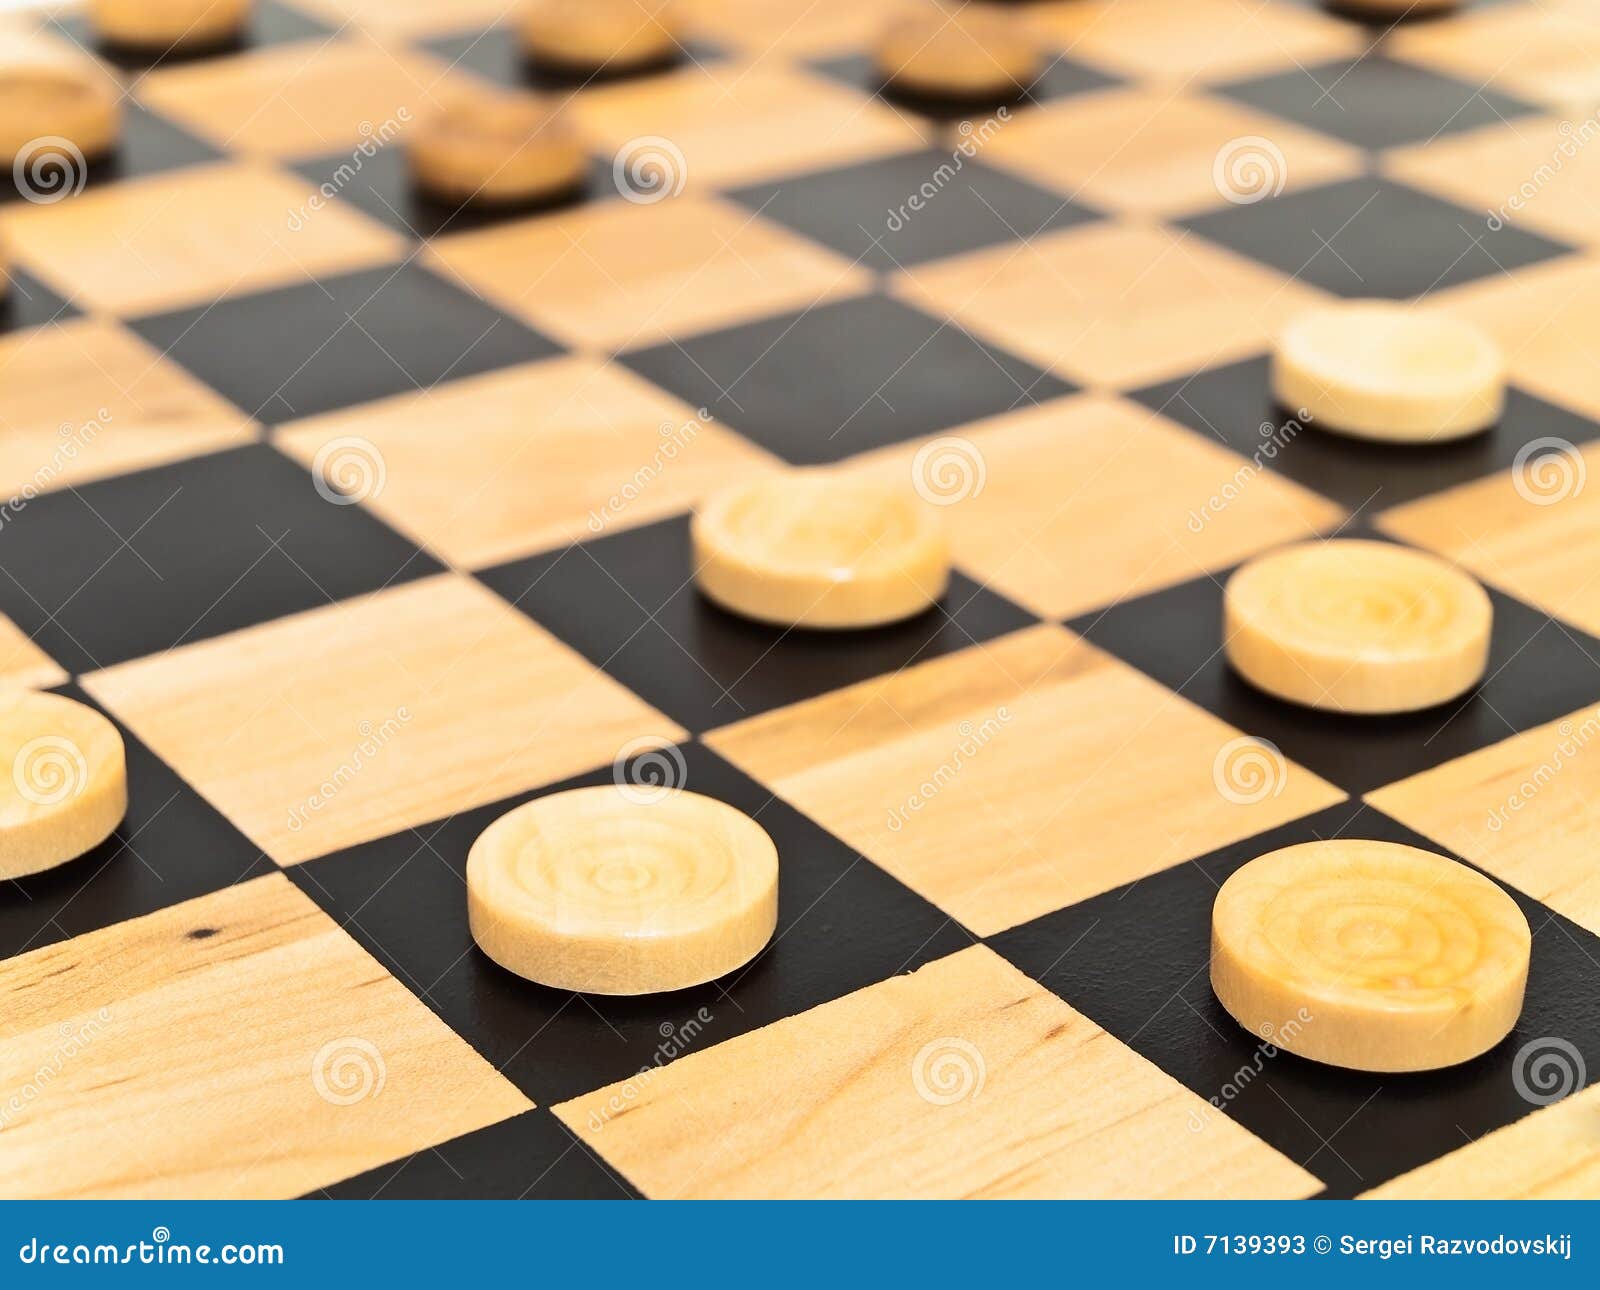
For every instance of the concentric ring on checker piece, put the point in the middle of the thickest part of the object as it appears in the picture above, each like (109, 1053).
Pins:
(592, 891)
(1353, 625)
(1390, 958)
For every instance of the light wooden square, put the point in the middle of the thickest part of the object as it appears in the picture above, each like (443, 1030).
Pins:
(411, 18)
(350, 722)
(815, 28)
(24, 663)
(615, 275)
(191, 236)
(540, 455)
(1540, 175)
(238, 1045)
(738, 122)
(963, 1080)
(1545, 52)
(1016, 777)
(1525, 809)
(1184, 40)
(1112, 304)
(301, 100)
(1533, 531)
(1155, 503)
(1152, 152)
(1545, 320)
(85, 399)
(1552, 1154)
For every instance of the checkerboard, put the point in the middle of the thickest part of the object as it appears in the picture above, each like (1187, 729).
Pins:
(367, 521)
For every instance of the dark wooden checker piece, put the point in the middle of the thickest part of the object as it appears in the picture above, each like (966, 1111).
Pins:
(367, 521)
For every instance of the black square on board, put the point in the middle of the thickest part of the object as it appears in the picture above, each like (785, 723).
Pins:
(843, 924)
(1372, 237)
(297, 351)
(1234, 406)
(862, 211)
(137, 564)
(1376, 102)
(170, 847)
(148, 145)
(1539, 670)
(1351, 1129)
(841, 378)
(628, 603)
(29, 303)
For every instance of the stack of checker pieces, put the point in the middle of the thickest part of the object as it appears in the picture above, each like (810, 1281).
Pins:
(374, 524)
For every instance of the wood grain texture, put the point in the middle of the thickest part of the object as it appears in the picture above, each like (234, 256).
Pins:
(765, 27)
(1553, 1154)
(541, 455)
(965, 1079)
(1534, 532)
(190, 236)
(1525, 809)
(85, 399)
(239, 1045)
(1149, 151)
(1013, 778)
(331, 727)
(1111, 304)
(1547, 53)
(1073, 476)
(617, 275)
